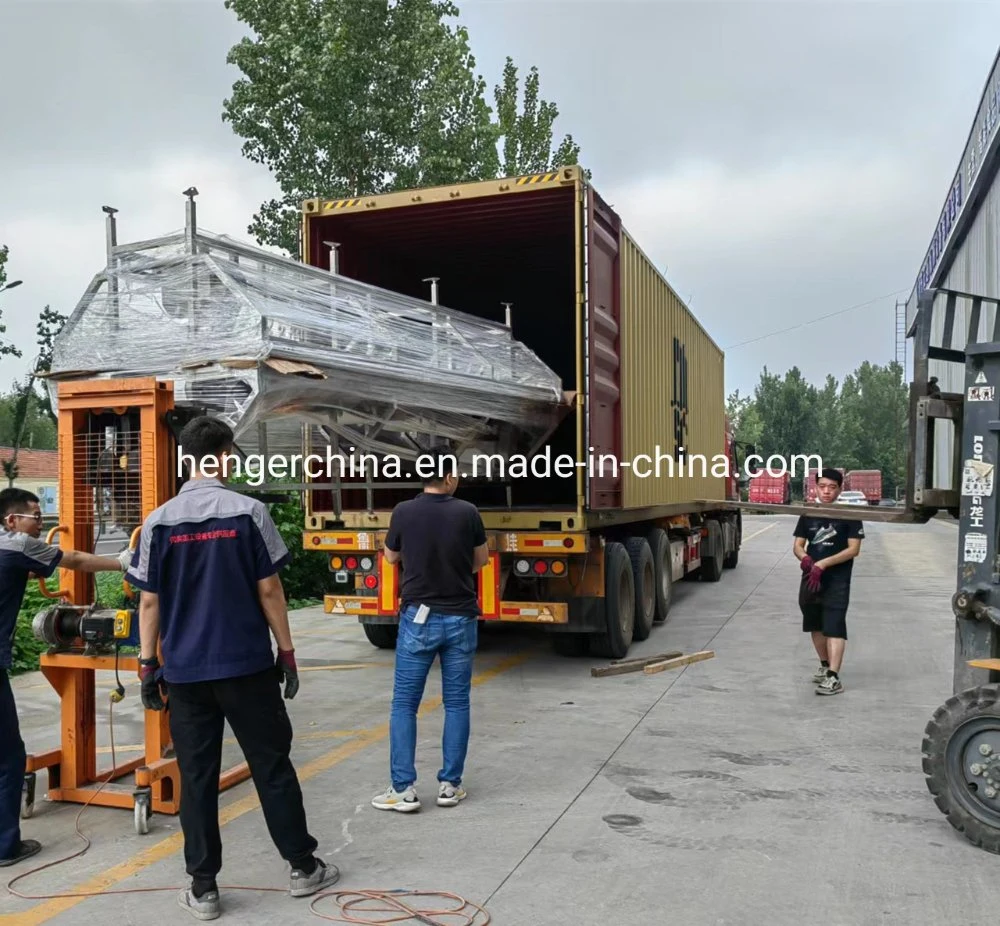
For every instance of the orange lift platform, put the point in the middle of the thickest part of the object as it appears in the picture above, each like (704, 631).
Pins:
(117, 463)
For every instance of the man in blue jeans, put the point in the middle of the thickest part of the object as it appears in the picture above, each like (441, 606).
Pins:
(440, 542)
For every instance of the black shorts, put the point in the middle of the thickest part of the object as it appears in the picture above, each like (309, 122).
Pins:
(828, 617)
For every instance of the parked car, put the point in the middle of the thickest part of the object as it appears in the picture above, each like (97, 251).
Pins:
(852, 498)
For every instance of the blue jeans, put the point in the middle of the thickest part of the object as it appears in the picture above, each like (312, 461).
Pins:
(12, 760)
(454, 638)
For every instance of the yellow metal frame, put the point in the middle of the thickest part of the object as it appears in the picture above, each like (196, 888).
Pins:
(318, 207)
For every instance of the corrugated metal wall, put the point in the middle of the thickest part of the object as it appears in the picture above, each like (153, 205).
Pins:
(652, 317)
(976, 270)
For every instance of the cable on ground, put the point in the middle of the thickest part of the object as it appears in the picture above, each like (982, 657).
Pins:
(466, 913)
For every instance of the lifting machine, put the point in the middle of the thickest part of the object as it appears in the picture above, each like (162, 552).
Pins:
(117, 463)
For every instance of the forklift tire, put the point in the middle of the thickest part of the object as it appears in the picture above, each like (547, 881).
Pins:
(958, 773)
(711, 566)
(619, 605)
(382, 635)
(659, 545)
(644, 581)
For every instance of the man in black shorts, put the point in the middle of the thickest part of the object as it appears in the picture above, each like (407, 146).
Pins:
(826, 548)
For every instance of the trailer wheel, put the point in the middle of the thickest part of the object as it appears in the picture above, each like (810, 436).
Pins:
(711, 565)
(659, 545)
(619, 605)
(382, 635)
(644, 581)
(732, 558)
(961, 761)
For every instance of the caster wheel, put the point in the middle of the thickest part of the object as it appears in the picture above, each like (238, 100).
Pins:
(142, 812)
(28, 796)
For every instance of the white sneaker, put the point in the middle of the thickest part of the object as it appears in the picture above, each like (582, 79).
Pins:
(449, 795)
(820, 674)
(390, 799)
(830, 686)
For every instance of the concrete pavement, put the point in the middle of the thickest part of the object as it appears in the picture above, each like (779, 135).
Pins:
(723, 793)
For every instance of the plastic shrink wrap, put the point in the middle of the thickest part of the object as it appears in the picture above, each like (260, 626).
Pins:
(253, 337)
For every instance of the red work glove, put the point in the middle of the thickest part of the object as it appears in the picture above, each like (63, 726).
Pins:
(814, 578)
(289, 672)
(806, 563)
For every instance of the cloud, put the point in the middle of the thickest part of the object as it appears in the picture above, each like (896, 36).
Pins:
(57, 247)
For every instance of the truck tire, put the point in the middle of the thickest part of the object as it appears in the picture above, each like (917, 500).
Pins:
(382, 635)
(732, 558)
(644, 581)
(619, 605)
(659, 545)
(711, 565)
(956, 770)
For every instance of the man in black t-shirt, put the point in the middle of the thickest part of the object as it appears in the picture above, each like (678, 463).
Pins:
(826, 548)
(440, 543)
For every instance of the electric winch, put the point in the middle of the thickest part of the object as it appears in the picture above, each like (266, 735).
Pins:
(94, 631)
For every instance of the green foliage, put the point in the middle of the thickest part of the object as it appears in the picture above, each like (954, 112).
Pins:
(858, 424)
(345, 98)
(307, 577)
(26, 648)
(527, 137)
(39, 430)
(6, 348)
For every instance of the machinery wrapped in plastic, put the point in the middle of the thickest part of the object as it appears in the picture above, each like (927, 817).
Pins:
(253, 337)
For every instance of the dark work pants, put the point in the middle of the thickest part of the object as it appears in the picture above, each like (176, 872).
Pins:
(11, 771)
(256, 712)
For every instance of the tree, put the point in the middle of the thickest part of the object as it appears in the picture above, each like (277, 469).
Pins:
(744, 418)
(860, 424)
(350, 98)
(527, 138)
(6, 348)
(344, 98)
(49, 325)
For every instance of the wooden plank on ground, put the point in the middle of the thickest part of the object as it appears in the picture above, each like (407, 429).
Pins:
(644, 659)
(630, 665)
(677, 662)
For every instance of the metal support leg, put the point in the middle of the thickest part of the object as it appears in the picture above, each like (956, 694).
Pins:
(978, 587)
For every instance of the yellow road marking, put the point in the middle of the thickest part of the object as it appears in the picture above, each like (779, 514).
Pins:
(761, 531)
(316, 735)
(45, 911)
(351, 665)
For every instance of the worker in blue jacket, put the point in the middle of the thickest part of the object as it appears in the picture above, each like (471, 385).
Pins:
(23, 554)
(207, 566)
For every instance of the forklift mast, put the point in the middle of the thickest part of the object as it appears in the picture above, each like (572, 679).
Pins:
(956, 339)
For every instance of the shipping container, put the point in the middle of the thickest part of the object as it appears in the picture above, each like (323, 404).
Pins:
(769, 489)
(592, 557)
(868, 481)
(584, 297)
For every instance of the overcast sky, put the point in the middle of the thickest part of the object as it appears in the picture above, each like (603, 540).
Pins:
(782, 161)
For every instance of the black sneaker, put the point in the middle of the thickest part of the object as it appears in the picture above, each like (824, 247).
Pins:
(28, 848)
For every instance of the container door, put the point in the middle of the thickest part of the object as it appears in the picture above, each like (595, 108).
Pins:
(603, 353)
